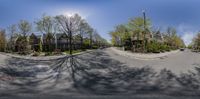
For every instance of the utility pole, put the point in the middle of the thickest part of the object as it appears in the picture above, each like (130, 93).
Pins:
(145, 41)
(144, 16)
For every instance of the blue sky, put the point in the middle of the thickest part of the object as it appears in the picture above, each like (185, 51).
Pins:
(104, 15)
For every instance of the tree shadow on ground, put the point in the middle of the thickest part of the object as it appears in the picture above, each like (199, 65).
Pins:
(97, 73)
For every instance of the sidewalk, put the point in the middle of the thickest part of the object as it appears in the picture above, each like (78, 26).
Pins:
(143, 56)
(33, 57)
(41, 58)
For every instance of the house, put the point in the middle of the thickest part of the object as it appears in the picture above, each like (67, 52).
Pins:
(157, 36)
(35, 41)
(49, 42)
(139, 40)
(21, 44)
(62, 41)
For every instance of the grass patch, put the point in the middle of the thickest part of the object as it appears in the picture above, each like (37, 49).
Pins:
(74, 51)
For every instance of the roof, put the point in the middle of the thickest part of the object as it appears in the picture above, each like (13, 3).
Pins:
(61, 35)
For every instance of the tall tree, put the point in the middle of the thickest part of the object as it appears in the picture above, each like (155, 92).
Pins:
(47, 25)
(83, 29)
(96, 38)
(90, 32)
(24, 28)
(2, 40)
(137, 25)
(12, 30)
(69, 25)
(172, 39)
(196, 42)
(120, 35)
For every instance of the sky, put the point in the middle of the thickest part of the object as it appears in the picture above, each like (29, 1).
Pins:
(104, 15)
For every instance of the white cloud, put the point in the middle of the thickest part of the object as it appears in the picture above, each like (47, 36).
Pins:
(71, 12)
(187, 33)
(187, 37)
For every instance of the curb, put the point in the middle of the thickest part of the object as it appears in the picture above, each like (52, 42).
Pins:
(140, 57)
(45, 57)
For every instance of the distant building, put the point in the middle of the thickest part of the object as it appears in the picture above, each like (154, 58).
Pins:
(34, 41)
(62, 41)
(157, 36)
(139, 39)
(50, 42)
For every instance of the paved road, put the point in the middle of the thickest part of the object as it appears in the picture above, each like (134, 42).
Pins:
(179, 62)
(99, 72)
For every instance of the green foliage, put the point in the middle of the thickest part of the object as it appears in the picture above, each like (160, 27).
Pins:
(77, 30)
(172, 39)
(86, 44)
(153, 47)
(48, 53)
(22, 45)
(2, 40)
(95, 47)
(120, 34)
(36, 54)
(74, 51)
(137, 24)
(49, 39)
(190, 46)
(142, 37)
(164, 47)
(157, 47)
(127, 44)
(40, 46)
(24, 27)
(196, 43)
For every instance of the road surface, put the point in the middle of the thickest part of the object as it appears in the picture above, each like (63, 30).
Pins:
(180, 62)
(98, 75)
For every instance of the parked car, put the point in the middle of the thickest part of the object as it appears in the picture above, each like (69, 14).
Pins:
(182, 49)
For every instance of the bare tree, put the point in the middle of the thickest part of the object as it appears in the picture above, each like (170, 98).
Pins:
(47, 25)
(24, 27)
(83, 29)
(69, 25)
(90, 32)
(2, 40)
(12, 30)
(98, 39)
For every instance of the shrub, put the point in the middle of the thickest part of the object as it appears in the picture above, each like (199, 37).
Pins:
(165, 47)
(94, 47)
(153, 47)
(162, 48)
(48, 53)
(36, 54)
(57, 52)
